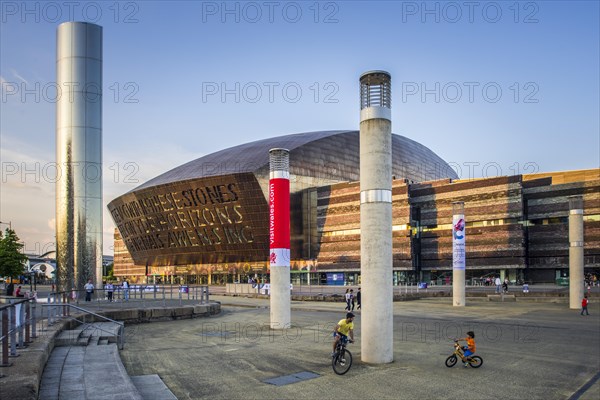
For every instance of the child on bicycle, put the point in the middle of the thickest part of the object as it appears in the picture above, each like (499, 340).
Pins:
(343, 329)
(469, 349)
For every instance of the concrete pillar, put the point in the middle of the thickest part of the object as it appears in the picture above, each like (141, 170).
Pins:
(458, 254)
(279, 237)
(79, 155)
(576, 288)
(376, 320)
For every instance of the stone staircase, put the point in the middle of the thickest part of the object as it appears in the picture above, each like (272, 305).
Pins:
(501, 297)
(85, 364)
(97, 332)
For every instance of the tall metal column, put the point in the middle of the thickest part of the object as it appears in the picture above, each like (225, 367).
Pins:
(376, 218)
(576, 289)
(458, 254)
(79, 154)
(279, 237)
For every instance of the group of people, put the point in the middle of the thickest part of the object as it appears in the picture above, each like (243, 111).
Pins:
(591, 280)
(501, 286)
(344, 330)
(10, 290)
(351, 299)
(109, 288)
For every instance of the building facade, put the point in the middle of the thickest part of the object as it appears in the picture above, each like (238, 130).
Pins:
(207, 221)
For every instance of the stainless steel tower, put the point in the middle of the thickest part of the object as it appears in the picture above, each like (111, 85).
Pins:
(79, 154)
(376, 217)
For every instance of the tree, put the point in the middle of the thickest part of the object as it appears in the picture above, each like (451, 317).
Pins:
(110, 269)
(12, 260)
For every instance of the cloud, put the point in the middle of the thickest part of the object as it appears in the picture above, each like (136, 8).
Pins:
(12, 147)
(16, 74)
(21, 186)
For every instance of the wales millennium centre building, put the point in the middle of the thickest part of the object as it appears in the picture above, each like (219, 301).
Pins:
(207, 221)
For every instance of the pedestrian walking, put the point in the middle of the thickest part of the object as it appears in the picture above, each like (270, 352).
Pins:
(584, 305)
(358, 299)
(352, 298)
(125, 290)
(498, 283)
(110, 288)
(348, 299)
(89, 289)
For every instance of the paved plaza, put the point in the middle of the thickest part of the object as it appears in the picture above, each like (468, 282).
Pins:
(530, 351)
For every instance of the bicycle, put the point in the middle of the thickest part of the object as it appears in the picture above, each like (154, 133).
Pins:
(342, 358)
(473, 361)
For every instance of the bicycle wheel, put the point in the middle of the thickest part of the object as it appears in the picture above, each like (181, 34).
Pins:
(342, 362)
(476, 361)
(451, 361)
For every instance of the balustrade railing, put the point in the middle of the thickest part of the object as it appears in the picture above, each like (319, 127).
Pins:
(18, 326)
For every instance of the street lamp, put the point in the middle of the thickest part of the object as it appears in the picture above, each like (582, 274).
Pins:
(9, 223)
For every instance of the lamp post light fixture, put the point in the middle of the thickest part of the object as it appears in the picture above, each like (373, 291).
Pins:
(9, 223)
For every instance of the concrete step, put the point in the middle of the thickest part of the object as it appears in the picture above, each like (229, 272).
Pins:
(83, 341)
(105, 376)
(70, 338)
(536, 299)
(101, 329)
(151, 387)
(501, 297)
(92, 373)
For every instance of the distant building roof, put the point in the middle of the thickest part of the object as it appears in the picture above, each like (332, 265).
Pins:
(310, 152)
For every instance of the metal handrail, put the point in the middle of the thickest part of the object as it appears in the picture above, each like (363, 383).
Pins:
(21, 322)
(136, 292)
(120, 334)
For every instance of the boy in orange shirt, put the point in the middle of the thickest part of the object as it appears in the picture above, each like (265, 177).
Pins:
(469, 349)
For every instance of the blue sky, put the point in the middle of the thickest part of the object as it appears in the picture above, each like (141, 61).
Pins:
(494, 88)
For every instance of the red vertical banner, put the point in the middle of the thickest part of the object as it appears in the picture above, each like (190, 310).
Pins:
(279, 220)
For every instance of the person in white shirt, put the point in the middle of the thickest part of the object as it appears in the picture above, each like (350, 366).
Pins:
(109, 291)
(126, 290)
(89, 289)
(498, 283)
